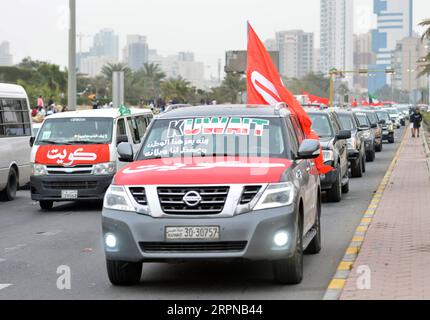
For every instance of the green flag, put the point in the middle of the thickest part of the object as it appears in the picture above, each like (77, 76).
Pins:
(124, 111)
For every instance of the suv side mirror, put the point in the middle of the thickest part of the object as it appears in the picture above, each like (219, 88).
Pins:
(125, 152)
(382, 122)
(32, 139)
(309, 149)
(374, 126)
(343, 135)
(121, 139)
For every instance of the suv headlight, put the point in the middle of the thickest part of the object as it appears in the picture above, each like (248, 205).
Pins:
(276, 195)
(117, 199)
(38, 169)
(328, 155)
(102, 169)
(367, 135)
(352, 143)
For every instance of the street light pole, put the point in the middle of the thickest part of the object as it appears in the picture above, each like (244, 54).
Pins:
(72, 57)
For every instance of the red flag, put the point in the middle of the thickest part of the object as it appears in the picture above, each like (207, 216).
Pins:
(316, 99)
(264, 86)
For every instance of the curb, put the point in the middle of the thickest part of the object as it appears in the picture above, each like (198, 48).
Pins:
(337, 284)
(426, 146)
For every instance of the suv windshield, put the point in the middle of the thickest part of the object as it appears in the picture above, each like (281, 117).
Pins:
(372, 117)
(216, 136)
(76, 131)
(383, 116)
(321, 125)
(346, 122)
(363, 120)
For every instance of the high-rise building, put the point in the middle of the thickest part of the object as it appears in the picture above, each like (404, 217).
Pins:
(394, 22)
(405, 61)
(317, 61)
(92, 66)
(363, 58)
(271, 45)
(296, 52)
(106, 44)
(337, 29)
(137, 52)
(6, 59)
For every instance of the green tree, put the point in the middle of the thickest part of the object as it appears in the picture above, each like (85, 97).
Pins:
(110, 68)
(425, 61)
(176, 89)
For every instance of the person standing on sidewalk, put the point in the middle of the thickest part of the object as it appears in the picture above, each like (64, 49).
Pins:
(416, 119)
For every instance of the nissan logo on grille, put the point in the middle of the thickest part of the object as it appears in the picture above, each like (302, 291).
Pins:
(192, 199)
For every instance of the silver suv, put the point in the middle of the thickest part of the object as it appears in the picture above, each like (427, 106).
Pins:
(224, 182)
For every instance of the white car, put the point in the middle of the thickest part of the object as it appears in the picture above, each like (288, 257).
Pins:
(394, 116)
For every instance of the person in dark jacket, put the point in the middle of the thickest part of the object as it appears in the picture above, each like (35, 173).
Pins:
(416, 119)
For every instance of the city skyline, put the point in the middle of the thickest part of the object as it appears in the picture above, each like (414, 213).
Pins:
(209, 42)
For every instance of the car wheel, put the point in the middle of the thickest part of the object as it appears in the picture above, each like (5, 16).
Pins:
(46, 205)
(290, 271)
(335, 193)
(391, 140)
(124, 273)
(9, 193)
(363, 162)
(370, 156)
(315, 245)
(379, 147)
(357, 168)
(345, 188)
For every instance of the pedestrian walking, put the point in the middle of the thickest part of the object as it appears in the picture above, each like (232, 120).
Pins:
(416, 120)
(40, 102)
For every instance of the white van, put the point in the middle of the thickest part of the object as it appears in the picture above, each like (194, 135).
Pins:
(15, 131)
(74, 154)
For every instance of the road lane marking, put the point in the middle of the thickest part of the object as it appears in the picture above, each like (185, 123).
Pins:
(345, 267)
(4, 286)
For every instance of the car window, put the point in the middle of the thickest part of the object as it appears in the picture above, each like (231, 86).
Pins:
(321, 125)
(372, 117)
(347, 122)
(137, 127)
(121, 130)
(298, 129)
(363, 120)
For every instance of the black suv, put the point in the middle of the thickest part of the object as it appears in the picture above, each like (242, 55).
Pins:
(365, 127)
(334, 144)
(356, 148)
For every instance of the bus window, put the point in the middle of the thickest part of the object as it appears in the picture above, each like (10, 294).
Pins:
(14, 118)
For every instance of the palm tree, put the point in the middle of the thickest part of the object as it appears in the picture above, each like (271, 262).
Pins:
(176, 88)
(152, 77)
(425, 61)
(110, 68)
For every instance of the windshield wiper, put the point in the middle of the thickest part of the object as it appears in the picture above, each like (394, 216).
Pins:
(54, 142)
(84, 142)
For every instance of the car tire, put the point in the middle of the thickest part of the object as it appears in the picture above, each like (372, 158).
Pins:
(335, 193)
(345, 188)
(391, 140)
(9, 193)
(315, 246)
(46, 205)
(290, 270)
(379, 147)
(122, 273)
(370, 156)
(357, 168)
(363, 162)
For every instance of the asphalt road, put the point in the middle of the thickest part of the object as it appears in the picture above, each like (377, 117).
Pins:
(33, 244)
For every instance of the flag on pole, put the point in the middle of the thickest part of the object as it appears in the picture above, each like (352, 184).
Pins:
(264, 86)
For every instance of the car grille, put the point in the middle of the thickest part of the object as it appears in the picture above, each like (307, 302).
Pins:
(139, 195)
(69, 185)
(231, 246)
(60, 170)
(213, 200)
(249, 194)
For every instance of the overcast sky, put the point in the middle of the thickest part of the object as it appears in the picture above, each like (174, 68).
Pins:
(38, 28)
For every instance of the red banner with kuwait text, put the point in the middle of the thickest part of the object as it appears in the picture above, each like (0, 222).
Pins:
(264, 86)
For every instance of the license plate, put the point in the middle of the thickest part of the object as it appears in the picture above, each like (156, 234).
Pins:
(193, 233)
(69, 194)
(385, 132)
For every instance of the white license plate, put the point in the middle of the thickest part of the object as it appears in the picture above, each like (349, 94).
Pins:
(385, 133)
(193, 233)
(69, 194)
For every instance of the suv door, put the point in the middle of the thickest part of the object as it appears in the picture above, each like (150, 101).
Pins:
(308, 179)
(341, 145)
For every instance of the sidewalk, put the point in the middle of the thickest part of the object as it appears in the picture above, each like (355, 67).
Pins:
(396, 246)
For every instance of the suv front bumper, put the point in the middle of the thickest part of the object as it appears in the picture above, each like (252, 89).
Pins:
(255, 230)
(49, 187)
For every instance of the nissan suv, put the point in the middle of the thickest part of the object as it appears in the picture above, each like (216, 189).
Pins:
(215, 183)
(335, 150)
(365, 127)
(356, 148)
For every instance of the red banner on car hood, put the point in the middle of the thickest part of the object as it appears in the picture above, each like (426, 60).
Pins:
(72, 155)
(177, 171)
